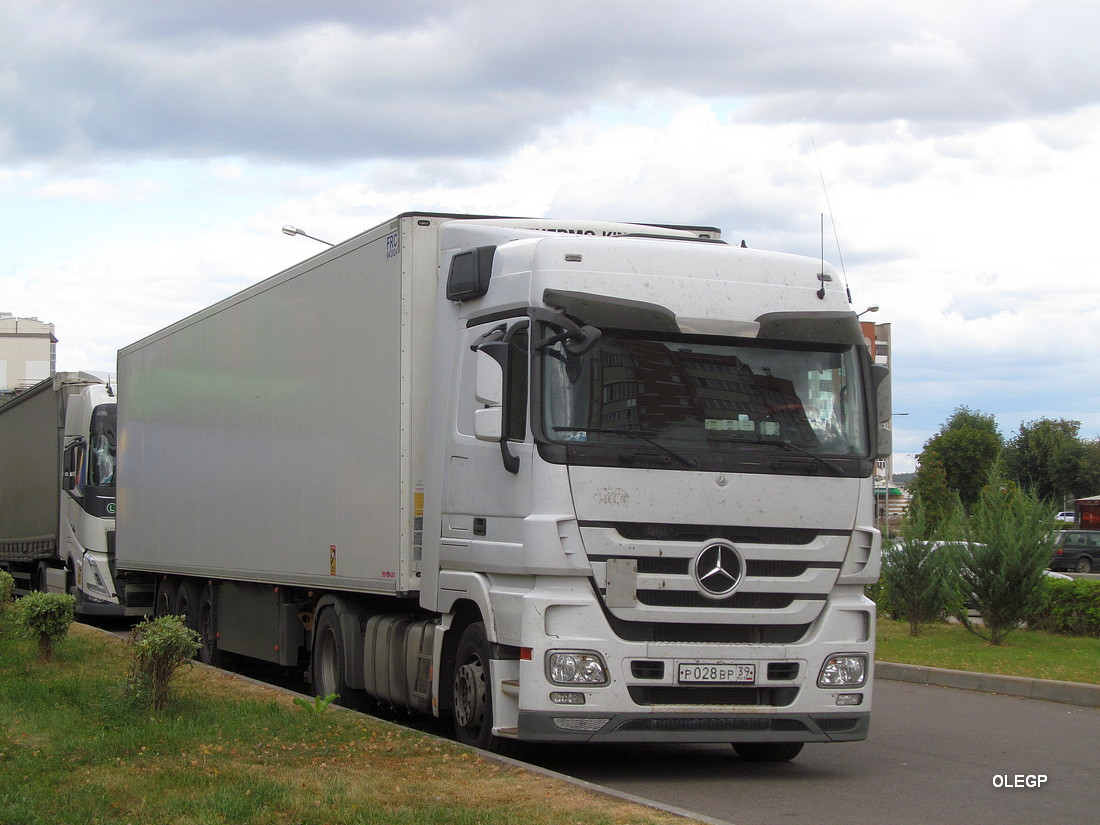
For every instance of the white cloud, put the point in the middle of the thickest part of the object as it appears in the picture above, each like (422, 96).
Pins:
(151, 152)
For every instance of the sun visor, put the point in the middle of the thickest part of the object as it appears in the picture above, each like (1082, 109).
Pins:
(607, 312)
(812, 327)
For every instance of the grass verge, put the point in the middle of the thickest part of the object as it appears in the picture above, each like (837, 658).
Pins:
(1031, 653)
(74, 749)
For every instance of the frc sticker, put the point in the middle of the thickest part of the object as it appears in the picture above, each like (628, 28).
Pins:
(332, 560)
(393, 246)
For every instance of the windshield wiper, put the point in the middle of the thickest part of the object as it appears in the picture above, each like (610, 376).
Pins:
(790, 445)
(690, 462)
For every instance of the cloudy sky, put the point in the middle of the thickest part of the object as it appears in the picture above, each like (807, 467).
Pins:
(150, 152)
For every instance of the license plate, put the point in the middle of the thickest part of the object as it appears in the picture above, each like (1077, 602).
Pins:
(709, 673)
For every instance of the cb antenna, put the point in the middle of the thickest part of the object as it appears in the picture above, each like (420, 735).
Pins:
(836, 236)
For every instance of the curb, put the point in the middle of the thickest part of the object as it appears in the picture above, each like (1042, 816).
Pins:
(1067, 693)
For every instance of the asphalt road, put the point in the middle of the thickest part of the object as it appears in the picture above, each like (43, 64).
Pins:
(935, 755)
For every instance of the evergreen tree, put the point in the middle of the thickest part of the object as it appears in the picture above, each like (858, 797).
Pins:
(931, 494)
(917, 571)
(1001, 566)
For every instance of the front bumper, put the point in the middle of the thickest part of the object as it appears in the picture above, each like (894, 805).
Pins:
(564, 725)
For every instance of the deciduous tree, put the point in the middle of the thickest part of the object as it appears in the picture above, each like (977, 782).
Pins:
(967, 445)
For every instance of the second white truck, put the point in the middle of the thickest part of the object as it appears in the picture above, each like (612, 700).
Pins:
(559, 481)
(57, 491)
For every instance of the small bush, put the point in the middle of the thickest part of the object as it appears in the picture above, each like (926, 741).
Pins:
(160, 647)
(1071, 607)
(918, 581)
(47, 616)
(7, 590)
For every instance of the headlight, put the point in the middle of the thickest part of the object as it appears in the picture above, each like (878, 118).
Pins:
(843, 670)
(94, 582)
(576, 667)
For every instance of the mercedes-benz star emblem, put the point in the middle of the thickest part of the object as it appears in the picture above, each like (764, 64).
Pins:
(718, 570)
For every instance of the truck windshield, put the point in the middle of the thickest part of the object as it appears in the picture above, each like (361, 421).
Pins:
(711, 403)
(101, 441)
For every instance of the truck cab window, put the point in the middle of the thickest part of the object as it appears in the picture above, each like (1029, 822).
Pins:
(719, 403)
(102, 441)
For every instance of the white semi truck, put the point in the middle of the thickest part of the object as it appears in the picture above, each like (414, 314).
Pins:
(560, 481)
(57, 491)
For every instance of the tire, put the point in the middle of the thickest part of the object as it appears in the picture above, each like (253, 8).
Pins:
(165, 602)
(208, 628)
(768, 751)
(41, 577)
(187, 603)
(473, 695)
(1084, 565)
(328, 664)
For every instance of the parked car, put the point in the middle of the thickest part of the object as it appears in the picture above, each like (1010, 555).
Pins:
(1076, 550)
(1067, 516)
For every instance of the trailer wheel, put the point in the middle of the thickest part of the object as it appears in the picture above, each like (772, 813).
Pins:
(328, 657)
(166, 598)
(768, 751)
(187, 603)
(473, 696)
(208, 628)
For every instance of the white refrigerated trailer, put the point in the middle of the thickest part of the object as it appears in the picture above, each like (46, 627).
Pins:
(560, 481)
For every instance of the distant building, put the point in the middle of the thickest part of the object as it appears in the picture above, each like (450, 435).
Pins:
(28, 353)
(891, 502)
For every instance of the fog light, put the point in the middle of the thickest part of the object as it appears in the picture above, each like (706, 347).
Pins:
(576, 667)
(843, 670)
(563, 698)
(849, 699)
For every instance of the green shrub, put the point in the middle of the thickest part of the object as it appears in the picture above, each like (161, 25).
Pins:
(7, 590)
(160, 647)
(1071, 607)
(918, 576)
(47, 616)
(1002, 564)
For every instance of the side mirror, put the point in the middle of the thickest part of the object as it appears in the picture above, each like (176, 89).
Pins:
(489, 380)
(492, 365)
(489, 423)
(880, 375)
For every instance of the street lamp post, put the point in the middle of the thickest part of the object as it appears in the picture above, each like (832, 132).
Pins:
(293, 230)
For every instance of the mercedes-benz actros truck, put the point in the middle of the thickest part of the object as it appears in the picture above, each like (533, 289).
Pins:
(560, 481)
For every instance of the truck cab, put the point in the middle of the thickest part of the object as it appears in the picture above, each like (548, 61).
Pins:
(654, 489)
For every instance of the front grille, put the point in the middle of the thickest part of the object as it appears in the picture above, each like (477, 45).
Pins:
(728, 634)
(744, 601)
(754, 568)
(647, 583)
(677, 695)
(695, 533)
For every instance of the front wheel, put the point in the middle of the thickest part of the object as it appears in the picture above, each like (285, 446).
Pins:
(473, 696)
(768, 751)
(1084, 565)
